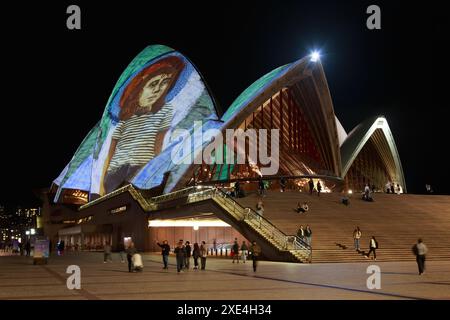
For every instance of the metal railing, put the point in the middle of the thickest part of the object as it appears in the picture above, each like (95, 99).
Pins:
(252, 218)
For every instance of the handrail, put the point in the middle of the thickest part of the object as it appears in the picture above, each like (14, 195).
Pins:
(251, 217)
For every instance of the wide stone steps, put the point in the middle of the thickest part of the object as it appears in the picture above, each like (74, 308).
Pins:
(395, 220)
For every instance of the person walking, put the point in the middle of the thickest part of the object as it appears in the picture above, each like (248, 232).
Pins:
(203, 254)
(196, 255)
(373, 246)
(301, 233)
(235, 250)
(308, 235)
(356, 238)
(28, 248)
(244, 251)
(311, 186)
(319, 188)
(367, 192)
(282, 184)
(261, 186)
(131, 250)
(260, 208)
(187, 259)
(121, 247)
(180, 254)
(420, 250)
(165, 251)
(255, 252)
(107, 252)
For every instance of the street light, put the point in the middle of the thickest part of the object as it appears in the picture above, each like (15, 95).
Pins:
(27, 232)
(32, 231)
(315, 56)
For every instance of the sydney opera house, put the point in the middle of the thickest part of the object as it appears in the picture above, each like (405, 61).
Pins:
(122, 183)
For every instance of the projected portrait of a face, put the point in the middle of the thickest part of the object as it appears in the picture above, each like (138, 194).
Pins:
(144, 119)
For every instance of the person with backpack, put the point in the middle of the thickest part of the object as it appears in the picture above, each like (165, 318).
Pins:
(373, 246)
(420, 250)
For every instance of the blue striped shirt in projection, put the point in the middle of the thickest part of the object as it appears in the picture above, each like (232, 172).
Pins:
(136, 138)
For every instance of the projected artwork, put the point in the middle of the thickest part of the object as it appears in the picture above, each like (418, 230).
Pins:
(158, 93)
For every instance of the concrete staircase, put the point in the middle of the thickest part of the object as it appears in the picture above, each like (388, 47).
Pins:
(286, 247)
(397, 221)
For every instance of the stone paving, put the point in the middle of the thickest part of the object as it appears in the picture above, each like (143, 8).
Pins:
(20, 279)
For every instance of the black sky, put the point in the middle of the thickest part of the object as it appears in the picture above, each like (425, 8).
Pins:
(59, 80)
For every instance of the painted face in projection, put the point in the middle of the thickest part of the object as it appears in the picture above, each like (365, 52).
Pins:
(153, 90)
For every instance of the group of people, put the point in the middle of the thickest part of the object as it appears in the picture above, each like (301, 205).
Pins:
(134, 259)
(183, 253)
(373, 244)
(302, 208)
(311, 187)
(305, 234)
(392, 188)
(254, 251)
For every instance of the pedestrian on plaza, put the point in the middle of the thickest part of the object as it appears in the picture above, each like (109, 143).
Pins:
(260, 208)
(28, 248)
(244, 251)
(131, 250)
(356, 238)
(165, 251)
(311, 186)
(196, 255)
(319, 188)
(180, 254)
(187, 259)
(282, 184)
(308, 235)
(388, 187)
(255, 252)
(301, 233)
(121, 247)
(203, 254)
(261, 186)
(366, 192)
(235, 250)
(420, 250)
(373, 246)
(107, 252)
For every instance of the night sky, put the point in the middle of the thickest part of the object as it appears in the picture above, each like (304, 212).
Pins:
(59, 80)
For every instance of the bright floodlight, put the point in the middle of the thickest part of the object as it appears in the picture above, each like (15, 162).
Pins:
(315, 56)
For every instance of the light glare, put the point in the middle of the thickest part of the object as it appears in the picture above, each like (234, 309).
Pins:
(315, 56)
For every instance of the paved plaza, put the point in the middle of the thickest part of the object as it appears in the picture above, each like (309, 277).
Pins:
(20, 279)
